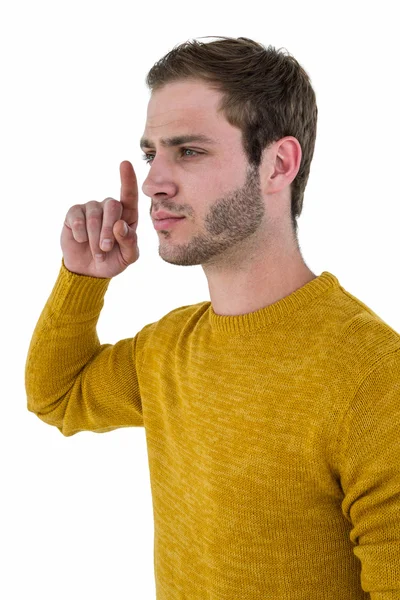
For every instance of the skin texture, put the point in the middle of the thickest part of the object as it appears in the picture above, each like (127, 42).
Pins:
(88, 227)
(237, 223)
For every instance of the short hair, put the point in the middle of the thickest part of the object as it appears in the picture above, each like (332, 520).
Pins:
(266, 93)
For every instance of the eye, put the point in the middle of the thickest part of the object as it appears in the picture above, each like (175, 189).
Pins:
(150, 157)
(189, 150)
(146, 158)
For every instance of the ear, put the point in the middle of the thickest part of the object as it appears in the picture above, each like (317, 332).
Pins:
(283, 159)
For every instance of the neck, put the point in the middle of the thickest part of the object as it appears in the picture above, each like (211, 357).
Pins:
(238, 288)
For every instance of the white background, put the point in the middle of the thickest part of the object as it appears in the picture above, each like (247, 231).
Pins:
(76, 513)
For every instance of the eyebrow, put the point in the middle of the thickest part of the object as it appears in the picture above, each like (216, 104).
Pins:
(177, 141)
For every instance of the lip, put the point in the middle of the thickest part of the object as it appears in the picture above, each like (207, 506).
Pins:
(166, 223)
(161, 214)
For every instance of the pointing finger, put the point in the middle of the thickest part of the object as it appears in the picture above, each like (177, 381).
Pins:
(129, 193)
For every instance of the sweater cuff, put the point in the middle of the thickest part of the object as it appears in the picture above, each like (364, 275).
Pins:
(73, 293)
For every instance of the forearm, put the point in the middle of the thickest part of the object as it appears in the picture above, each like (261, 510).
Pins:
(64, 340)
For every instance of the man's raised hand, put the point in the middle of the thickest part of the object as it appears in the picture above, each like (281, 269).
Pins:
(93, 238)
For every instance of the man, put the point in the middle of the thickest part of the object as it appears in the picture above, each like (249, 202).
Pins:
(271, 412)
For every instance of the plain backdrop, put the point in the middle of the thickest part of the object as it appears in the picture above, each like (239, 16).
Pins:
(76, 513)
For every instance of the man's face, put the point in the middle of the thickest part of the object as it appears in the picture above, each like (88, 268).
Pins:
(209, 183)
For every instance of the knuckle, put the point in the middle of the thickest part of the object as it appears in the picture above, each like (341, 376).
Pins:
(95, 213)
(93, 209)
(75, 208)
(78, 223)
(111, 203)
(74, 212)
(93, 223)
(93, 204)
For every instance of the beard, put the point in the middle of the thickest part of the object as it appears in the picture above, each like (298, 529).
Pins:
(230, 229)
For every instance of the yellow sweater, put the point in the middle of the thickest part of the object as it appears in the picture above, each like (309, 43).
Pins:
(273, 437)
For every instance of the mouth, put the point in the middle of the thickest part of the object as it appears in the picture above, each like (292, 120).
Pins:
(166, 223)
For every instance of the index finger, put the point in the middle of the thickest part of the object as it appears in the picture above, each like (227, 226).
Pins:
(129, 193)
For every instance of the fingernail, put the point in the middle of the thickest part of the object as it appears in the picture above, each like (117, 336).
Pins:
(106, 244)
(99, 257)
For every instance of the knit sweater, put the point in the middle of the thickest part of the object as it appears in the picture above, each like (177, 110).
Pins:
(272, 436)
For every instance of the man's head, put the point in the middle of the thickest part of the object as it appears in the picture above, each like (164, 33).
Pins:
(258, 108)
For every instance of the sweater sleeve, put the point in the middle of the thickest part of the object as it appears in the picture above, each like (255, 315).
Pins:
(369, 450)
(72, 381)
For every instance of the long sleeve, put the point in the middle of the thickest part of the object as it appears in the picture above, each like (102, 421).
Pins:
(370, 456)
(72, 381)
(273, 436)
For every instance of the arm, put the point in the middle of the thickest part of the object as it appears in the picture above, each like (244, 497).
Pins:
(72, 381)
(369, 450)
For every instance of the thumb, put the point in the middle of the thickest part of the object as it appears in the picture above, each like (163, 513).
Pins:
(127, 240)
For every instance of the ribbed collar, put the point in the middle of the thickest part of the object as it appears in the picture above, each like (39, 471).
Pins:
(274, 313)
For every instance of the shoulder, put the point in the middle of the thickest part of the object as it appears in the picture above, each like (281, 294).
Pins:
(362, 339)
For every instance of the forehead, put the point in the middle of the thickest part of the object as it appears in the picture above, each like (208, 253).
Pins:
(182, 95)
(183, 104)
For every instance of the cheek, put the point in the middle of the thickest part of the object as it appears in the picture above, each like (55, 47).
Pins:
(202, 192)
(209, 184)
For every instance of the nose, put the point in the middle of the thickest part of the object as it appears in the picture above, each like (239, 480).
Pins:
(159, 180)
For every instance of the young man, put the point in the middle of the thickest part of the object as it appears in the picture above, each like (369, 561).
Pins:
(272, 412)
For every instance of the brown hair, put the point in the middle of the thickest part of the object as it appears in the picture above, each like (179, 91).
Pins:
(266, 94)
